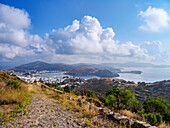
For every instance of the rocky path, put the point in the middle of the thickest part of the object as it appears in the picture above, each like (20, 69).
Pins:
(45, 112)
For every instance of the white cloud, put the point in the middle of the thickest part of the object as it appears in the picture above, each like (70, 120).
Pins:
(14, 17)
(90, 38)
(10, 51)
(155, 19)
(15, 40)
(12, 36)
(82, 41)
(155, 51)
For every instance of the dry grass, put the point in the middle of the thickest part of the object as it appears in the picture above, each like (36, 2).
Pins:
(90, 116)
(83, 110)
(9, 95)
(132, 115)
(138, 117)
(164, 125)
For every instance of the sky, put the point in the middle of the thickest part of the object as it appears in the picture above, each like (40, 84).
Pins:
(84, 31)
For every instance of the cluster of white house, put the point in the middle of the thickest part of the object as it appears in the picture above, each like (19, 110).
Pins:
(30, 79)
(39, 79)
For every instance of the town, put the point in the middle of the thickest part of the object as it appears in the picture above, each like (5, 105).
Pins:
(56, 77)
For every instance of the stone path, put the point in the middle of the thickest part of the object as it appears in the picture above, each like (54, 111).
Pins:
(45, 112)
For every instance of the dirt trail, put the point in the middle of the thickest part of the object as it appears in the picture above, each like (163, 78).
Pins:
(45, 112)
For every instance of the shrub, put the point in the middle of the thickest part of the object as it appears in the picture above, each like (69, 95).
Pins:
(102, 99)
(159, 119)
(49, 84)
(67, 89)
(135, 106)
(158, 106)
(119, 99)
(59, 88)
(151, 118)
(90, 93)
(15, 84)
(77, 93)
(154, 119)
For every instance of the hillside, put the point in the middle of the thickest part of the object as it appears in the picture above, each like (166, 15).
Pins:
(28, 105)
(38, 65)
(13, 92)
(82, 71)
(38, 105)
(142, 90)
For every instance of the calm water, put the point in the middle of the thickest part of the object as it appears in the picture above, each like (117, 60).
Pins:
(148, 74)
(58, 75)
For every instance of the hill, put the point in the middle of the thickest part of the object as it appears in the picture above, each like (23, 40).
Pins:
(38, 65)
(83, 71)
(13, 91)
(142, 90)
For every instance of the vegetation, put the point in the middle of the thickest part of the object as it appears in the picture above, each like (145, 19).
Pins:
(119, 99)
(155, 110)
(12, 90)
(14, 96)
(67, 89)
(90, 93)
(142, 90)
(14, 84)
(158, 107)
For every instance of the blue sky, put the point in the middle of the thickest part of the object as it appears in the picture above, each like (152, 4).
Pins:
(139, 31)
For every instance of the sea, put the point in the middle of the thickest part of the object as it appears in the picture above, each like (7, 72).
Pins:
(149, 74)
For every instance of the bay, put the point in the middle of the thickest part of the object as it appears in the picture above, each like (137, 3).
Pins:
(149, 74)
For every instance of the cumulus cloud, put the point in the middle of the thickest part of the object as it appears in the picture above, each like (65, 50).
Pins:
(88, 37)
(14, 17)
(155, 19)
(83, 41)
(15, 40)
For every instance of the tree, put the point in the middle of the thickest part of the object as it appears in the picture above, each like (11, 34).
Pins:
(35, 81)
(67, 89)
(120, 99)
(151, 118)
(154, 119)
(157, 106)
(40, 80)
(90, 93)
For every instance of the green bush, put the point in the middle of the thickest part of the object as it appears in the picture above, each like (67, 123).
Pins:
(90, 93)
(77, 93)
(59, 88)
(49, 84)
(15, 84)
(67, 89)
(119, 99)
(159, 119)
(158, 106)
(154, 119)
(102, 99)
(135, 106)
(151, 118)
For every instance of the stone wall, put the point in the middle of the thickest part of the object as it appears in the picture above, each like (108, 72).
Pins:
(133, 123)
